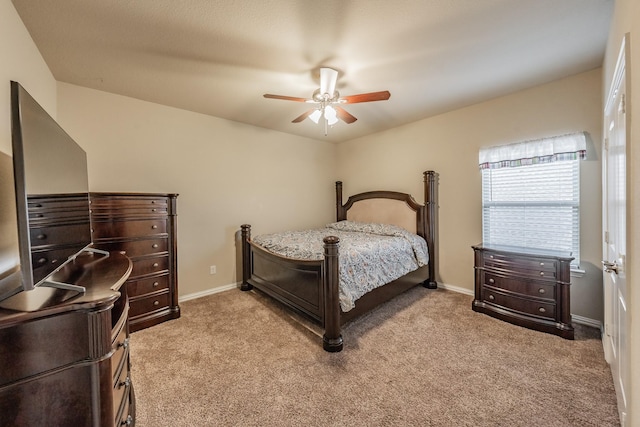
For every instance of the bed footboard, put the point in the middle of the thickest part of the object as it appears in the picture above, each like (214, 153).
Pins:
(308, 287)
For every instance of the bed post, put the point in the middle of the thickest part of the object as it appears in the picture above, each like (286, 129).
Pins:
(246, 258)
(431, 203)
(332, 338)
(340, 212)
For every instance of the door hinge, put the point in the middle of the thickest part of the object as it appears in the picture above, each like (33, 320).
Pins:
(623, 104)
(606, 237)
(606, 144)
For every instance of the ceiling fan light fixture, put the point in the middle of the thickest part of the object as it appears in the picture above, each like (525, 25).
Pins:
(315, 116)
(331, 115)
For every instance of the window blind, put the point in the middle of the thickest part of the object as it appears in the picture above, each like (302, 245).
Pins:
(534, 206)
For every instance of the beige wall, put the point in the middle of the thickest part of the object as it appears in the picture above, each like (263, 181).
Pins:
(21, 61)
(226, 174)
(449, 144)
(627, 20)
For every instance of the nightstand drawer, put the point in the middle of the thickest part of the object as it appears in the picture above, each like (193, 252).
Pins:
(519, 285)
(523, 305)
(514, 262)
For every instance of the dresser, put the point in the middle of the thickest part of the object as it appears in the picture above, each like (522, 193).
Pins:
(530, 288)
(65, 356)
(143, 225)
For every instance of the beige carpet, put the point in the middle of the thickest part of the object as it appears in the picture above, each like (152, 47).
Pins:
(423, 359)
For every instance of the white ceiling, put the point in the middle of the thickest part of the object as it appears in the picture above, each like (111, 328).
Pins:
(218, 57)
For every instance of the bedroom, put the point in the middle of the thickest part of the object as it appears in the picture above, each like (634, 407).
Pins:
(140, 138)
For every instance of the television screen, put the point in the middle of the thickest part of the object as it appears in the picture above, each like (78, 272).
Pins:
(51, 191)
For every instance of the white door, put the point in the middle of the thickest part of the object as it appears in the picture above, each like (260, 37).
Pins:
(615, 340)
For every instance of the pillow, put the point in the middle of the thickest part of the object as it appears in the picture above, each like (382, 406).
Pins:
(369, 227)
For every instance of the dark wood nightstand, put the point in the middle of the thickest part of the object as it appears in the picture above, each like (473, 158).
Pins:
(525, 287)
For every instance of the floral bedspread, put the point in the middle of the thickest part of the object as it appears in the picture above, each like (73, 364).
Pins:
(370, 255)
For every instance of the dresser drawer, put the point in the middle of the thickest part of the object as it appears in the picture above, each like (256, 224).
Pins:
(60, 234)
(144, 266)
(134, 206)
(56, 216)
(518, 285)
(136, 248)
(121, 390)
(145, 286)
(120, 355)
(149, 304)
(43, 204)
(135, 228)
(123, 417)
(42, 259)
(523, 305)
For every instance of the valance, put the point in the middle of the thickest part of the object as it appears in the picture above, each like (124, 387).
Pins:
(563, 147)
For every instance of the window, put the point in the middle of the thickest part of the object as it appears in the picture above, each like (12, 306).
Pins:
(534, 206)
(531, 194)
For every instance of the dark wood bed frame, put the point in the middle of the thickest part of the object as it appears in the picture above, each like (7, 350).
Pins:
(311, 287)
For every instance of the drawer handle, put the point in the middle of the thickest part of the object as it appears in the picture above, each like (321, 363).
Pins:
(153, 202)
(153, 210)
(156, 303)
(491, 297)
(542, 273)
(542, 310)
(491, 256)
(124, 344)
(153, 227)
(42, 261)
(542, 264)
(155, 265)
(154, 246)
(492, 281)
(127, 422)
(125, 383)
(541, 291)
(41, 236)
(155, 284)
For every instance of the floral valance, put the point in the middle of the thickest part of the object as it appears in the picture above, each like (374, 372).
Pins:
(563, 147)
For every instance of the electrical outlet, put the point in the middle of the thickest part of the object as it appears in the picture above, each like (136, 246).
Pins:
(212, 269)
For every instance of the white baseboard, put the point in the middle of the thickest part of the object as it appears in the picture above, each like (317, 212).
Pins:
(586, 321)
(208, 292)
(574, 317)
(457, 289)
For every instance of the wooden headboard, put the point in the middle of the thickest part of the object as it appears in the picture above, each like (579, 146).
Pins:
(391, 207)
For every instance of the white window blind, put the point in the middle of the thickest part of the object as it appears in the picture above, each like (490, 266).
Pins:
(534, 206)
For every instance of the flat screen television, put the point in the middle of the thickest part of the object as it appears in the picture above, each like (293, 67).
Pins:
(51, 199)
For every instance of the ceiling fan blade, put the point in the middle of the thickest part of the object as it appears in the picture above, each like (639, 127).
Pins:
(344, 115)
(303, 116)
(286, 98)
(366, 97)
(328, 79)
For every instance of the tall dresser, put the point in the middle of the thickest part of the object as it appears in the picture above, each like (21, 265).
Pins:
(143, 225)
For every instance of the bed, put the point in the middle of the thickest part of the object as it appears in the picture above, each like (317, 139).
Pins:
(311, 287)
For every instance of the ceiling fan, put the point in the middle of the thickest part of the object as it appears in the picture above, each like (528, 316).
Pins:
(328, 101)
